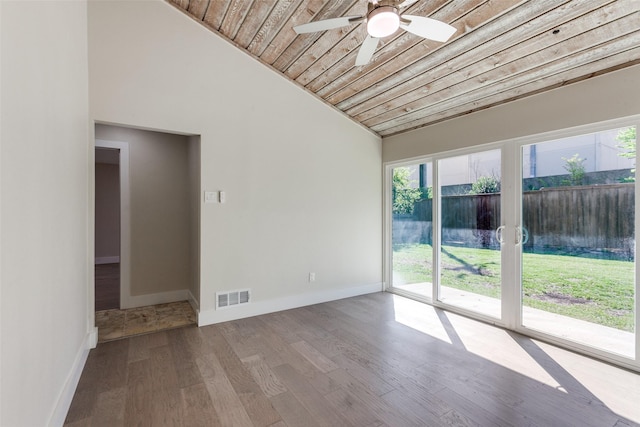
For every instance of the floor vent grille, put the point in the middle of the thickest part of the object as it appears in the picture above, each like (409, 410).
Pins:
(231, 298)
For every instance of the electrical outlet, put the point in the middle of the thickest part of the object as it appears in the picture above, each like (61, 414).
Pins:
(312, 277)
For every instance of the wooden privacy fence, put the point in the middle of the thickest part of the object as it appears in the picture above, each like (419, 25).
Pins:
(598, 219)
(573, 220)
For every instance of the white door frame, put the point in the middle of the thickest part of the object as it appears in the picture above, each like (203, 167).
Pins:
(125, 219)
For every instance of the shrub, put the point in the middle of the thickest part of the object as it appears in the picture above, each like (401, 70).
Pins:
(575, 166)
(485, 185)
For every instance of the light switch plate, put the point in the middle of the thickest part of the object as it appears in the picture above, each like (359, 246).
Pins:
(210, 196)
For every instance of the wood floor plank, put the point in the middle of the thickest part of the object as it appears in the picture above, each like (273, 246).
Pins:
(504, 384)
(197, 407)
(254, 400)
(285, 325)
(277, 349)
(352, 408)
(83, 403)
(287, 354)
(107, 286)
(380, 408)
(456, 419)
(338, 379)
(365, 375)
(316, 358)
(139, 387)
(264, 376)
(421, 389)
(325, 312)
(485, 395)
(141, 346)
(320, 409)
(187, 371)
(110, 406)
(406, 405)
(197, 342)
(113, 365)
(313, 331)
(467, 409)
(105, 369)
(166, 398)
(226, 402)
(293, 413)
(248, 345)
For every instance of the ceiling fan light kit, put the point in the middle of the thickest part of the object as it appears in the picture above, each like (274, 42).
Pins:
(383, 19)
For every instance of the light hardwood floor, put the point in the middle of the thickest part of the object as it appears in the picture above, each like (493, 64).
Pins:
(107, 285)
(374, 360)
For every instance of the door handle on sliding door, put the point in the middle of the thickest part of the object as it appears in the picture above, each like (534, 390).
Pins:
(499, 232)
(522, 235)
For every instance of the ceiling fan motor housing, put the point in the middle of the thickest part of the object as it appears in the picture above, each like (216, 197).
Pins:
(379, 3)
(382, 20)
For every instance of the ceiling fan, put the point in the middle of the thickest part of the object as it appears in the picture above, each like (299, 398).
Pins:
(383, 18)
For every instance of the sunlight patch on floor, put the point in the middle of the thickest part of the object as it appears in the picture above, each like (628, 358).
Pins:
(492, 343)
(552, 366)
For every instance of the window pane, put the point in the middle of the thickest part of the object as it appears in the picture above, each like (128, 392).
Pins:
(578, 261)
(412, 229)
(470, 275)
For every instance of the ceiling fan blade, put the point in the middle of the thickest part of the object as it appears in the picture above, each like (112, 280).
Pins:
(367, 50)
(428, 28)
(406, 3)
(327, 24)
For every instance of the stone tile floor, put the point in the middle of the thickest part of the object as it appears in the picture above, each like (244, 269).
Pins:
(116, 324)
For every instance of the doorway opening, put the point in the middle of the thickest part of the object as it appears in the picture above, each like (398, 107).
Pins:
(147, 230)
(107, 228)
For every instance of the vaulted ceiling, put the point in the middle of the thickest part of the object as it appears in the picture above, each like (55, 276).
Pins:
(503, 50)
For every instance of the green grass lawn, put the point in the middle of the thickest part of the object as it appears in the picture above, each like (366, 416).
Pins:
(598, 291)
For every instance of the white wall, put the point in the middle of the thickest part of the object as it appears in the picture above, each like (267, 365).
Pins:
(303, 182)
(1, 235)
(606, 97)
(44, 169)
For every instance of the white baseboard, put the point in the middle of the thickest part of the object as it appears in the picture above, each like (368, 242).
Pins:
(93, 337)
(66, 395)
(194, 304)
(107, 260)
(210, 317)
(153, 299)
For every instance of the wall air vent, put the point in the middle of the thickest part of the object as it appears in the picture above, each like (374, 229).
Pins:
(231, 298)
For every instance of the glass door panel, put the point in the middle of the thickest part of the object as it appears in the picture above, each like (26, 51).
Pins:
(412, 255)
(578, 242)
(470, 272)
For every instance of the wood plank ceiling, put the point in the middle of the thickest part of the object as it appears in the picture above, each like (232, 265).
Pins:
(503, 50)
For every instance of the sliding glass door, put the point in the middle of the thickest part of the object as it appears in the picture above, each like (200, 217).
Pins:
(469, 261)
(578, 243)
(535, 234)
